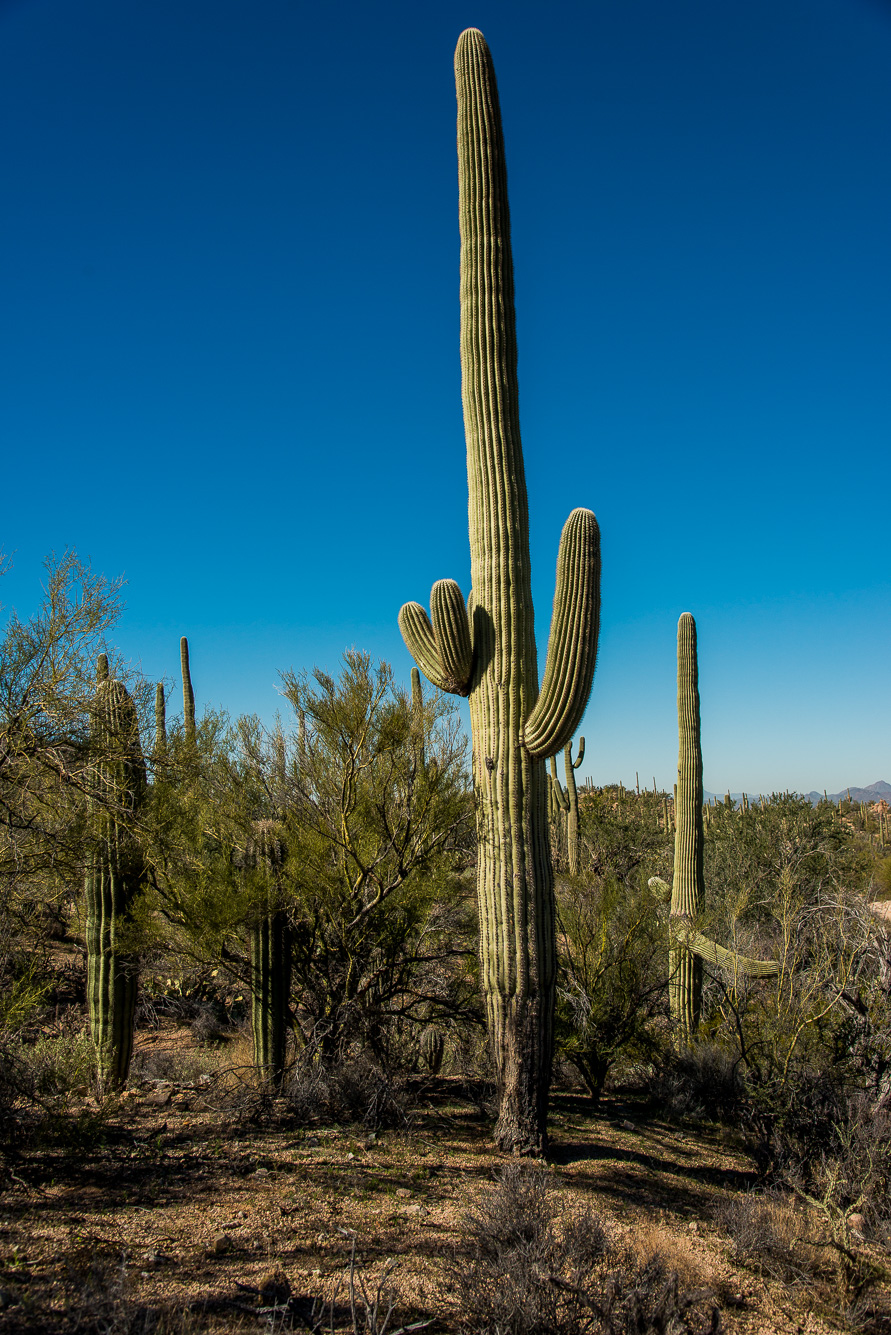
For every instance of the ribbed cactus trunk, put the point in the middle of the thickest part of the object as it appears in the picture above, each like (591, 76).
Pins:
(188, 693)
(270, 947)
(573, 840)
(115, 876)
(270, 994)
(492, 655)
(687, 892)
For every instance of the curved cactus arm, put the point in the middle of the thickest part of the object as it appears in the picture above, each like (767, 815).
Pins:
(451, 626)
(581, 755)
(712, 953)
(572, 644)
(659, 889)
(417, 632)
(561, 797)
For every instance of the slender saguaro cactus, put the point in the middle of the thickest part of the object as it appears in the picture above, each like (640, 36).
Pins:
(270, 958)
(188, 693)
(487, 650)
(115, 875)
(688, 887)
(572, 816)
(160, 722)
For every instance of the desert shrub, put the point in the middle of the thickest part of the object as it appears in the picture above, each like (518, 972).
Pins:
(181, 1066)
(810, 1251)
(351, 1090)
(528, 1267)
(701, 1082)
(612, 986)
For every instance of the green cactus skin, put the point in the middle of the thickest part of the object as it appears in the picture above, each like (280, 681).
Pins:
(572, 819)
(115, 876)
(685, 987)
(160, 722)
(488, 650)
(417, 704)
(432, 1047)
(188, 693)
(270, 961)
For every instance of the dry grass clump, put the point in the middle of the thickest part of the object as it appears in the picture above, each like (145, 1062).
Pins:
(818, 1258)
(529, 1267)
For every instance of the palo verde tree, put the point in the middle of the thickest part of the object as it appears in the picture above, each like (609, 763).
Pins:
(377, 828)
(487, 651)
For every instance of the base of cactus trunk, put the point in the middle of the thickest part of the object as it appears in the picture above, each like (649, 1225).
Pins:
(520, 1032)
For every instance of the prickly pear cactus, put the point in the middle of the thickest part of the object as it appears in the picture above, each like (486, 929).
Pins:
(115, 876)
(486, 649)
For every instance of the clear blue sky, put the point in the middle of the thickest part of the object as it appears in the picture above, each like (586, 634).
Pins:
(229, 342)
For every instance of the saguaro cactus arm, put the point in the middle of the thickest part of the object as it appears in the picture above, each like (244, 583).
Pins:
(442, 646)
(572, 643)
(581, 755)
(708, 950)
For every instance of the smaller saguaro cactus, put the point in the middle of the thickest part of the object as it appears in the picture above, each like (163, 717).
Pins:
(115, 876)
(688, 948)
(572, 815)
(432, 1046)
(160, 722)
(417, 704)
(270, 955)
(188, 693)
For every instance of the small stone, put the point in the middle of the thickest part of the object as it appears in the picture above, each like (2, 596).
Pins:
(693, 1227)
(221, 1244)
(402, 1191)
(261, 1172)
(628, 1126)
(351, 1156)
(160, 1098)
(414, 1209)
(370, 1140)
(856, 1221)
(274, 1289)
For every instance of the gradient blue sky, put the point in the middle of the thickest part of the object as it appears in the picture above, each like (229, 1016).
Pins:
(229, 342)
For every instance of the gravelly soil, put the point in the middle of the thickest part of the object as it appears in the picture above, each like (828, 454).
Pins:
(167, 1197)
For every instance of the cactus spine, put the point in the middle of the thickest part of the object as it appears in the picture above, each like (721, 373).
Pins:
(685, 987)
(115, 875)
(488, 652)
(188, 693)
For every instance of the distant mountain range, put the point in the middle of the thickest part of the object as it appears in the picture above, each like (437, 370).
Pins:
(874, 793)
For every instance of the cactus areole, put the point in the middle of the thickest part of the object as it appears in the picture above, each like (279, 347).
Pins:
(486, 650)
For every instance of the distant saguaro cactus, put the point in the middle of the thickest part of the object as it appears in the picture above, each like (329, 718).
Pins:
(188, 693)
(572, 815)
(688, 948)
(487, 650)
(160, 722)
(688, 887)
(270, 956)
(115, 875)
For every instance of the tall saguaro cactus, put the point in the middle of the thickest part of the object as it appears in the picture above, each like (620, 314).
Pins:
(115, 875)
(688, 886)
(487, 650)
(188, 693)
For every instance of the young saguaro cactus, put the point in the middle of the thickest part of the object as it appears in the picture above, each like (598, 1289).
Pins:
(188, 693)
(115, 876)
(486, 650)
(270, 946)
(572, 794)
